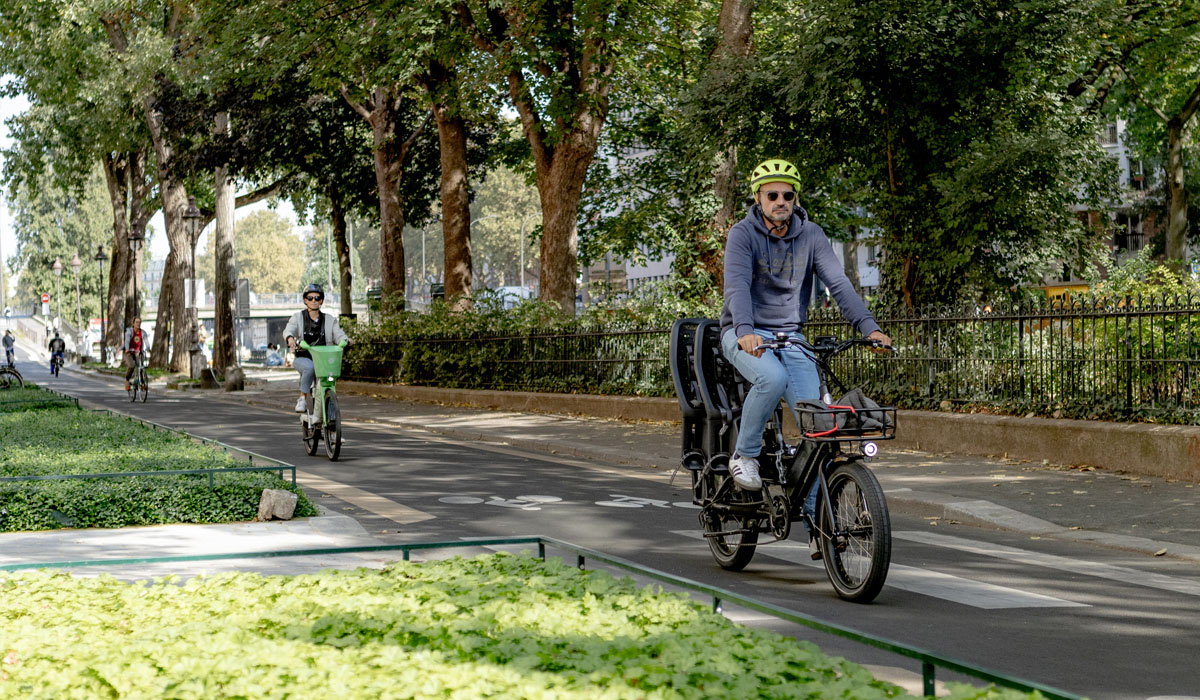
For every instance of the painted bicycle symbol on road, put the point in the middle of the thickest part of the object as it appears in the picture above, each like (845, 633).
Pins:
(618, 500)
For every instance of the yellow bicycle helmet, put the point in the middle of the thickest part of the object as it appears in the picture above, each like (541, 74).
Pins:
(774, 170)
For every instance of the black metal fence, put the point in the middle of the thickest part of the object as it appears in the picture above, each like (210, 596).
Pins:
(589, 360)
(1128, 358)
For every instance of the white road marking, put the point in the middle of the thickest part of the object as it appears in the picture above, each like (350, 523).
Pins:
(1051, 561)
(925, 582)
(370, 502)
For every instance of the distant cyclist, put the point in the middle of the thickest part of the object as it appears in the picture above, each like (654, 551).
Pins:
(135, 343)
(57, 347)
(316, 328)
(9, 342)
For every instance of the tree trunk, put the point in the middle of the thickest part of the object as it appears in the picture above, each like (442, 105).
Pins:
(456, 208)
(736, 27)
(345, 274)
(1177, 218)
(140, 188)
(178, 268)
(850, 259)
(225, 275)
(116, 173)
(390, 156)
(560, 187)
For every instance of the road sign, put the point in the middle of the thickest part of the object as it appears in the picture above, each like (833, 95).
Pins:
(45, 298)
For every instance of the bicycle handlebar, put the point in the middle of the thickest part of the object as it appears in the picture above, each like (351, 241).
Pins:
(782, 341)
(303, 345)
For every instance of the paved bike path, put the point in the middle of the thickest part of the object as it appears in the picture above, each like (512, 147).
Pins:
(1148, 515)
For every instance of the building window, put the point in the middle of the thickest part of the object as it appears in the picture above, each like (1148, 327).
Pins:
(1108, 135)
(1128, 235)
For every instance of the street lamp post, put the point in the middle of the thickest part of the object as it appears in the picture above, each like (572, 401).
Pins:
(58, 268)
(75, 265)
(523, 248)
(191, 222)
(100, 260)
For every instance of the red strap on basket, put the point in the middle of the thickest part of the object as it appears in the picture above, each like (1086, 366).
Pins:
(835, 429)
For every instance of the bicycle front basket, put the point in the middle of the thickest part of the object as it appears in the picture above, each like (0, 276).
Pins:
(327, 360)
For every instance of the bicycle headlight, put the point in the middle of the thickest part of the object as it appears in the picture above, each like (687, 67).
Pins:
(870, 449)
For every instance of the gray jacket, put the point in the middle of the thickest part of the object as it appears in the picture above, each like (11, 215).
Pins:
(295, 328)
(769, 279)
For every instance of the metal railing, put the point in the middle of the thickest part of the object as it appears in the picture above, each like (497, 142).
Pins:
(1124, 358)
(929, 660)
(599, 361)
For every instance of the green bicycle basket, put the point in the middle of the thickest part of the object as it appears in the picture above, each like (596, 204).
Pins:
(327, 360)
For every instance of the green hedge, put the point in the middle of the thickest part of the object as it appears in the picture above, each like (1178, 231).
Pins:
(497, 626)
(63, 439)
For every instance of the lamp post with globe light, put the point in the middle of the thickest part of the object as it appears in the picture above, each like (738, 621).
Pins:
(100, 260)
(191, 221)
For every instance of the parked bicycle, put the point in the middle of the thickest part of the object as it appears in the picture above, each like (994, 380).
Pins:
(139, 382)
(323, 419)
(849, 518)
(10, 377)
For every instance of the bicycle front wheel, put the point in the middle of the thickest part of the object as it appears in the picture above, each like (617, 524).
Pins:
(857, 543)
(10, 378)
(143, 387)
(333, 428)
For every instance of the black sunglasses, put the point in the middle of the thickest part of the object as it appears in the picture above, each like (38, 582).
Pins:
(314, 298)
(787, 196)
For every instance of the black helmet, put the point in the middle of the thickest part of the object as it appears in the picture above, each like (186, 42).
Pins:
(314, 288)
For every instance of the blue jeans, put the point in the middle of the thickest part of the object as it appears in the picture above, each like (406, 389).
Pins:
(304, 365)
(794, 378)
(790, 375)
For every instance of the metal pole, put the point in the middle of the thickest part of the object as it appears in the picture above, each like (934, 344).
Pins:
(523, 248)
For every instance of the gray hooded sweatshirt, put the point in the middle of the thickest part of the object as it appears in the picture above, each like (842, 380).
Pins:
(769, 279)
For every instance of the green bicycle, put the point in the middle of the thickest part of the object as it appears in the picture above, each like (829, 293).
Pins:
(324, 419)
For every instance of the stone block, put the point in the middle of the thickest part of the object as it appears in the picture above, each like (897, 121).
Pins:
(277, 504)
(235, 379)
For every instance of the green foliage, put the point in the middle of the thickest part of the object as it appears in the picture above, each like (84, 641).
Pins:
(68, 440)
(494, 626)
(51, 222)
(618, 346)
(1142, 276)
(268, 253)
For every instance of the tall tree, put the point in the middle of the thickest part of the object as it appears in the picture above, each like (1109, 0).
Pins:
(557, 59)
(269, 254)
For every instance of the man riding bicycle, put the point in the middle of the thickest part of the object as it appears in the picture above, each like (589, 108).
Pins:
(316, 328)
(57, 347)
(771, 257)
(134, 345)
(9, 341)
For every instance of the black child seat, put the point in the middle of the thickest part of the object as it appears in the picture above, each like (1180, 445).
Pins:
(710, 391)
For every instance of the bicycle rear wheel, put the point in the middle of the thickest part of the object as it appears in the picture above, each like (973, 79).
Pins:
(143, 387)
(312, 436)
(857, 543)
(732, 551)
(333, 428)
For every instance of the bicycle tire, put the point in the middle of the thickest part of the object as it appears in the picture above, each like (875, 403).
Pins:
(10, 378)
(143, 385)
(734, 552)
(312, 437)
(333, 428)
(857, 546)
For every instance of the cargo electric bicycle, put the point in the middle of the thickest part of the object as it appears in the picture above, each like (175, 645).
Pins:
(324, 420)
(849, 520)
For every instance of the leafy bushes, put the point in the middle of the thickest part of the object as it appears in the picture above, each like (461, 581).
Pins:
(494, 626)
(68, 440)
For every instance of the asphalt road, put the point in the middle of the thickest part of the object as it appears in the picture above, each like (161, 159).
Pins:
(1087, 620)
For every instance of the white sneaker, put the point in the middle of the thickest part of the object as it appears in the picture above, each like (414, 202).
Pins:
(745, 473)
(300, 408)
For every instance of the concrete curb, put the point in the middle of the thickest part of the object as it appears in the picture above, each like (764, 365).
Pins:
(1167, 451)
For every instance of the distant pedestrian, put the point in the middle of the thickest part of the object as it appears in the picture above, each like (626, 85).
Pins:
(9, 342)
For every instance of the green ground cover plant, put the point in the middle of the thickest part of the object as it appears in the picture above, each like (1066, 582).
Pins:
(64, 439)
(500, 626)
